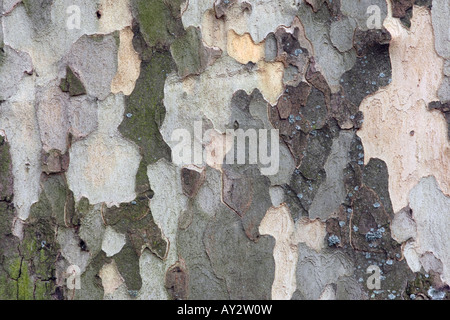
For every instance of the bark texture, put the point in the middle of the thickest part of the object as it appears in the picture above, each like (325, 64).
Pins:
(93, 204)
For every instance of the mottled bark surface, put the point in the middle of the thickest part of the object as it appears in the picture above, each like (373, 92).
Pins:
(96, 98)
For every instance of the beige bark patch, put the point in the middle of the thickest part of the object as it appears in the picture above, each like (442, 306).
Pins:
(103, 166)
(115, 15)
(111, 278)
(214, 32)
(311, 232)
(243, 49)
(129, 64)
(270, 80)
(278, 223)
(397, 126)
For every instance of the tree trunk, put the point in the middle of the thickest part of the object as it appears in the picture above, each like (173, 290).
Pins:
(228, 149)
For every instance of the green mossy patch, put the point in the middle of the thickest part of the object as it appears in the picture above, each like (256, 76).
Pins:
(56, 202)
(145, 113)
(72, 84)
(187, 52)
(159, 21)
(6, 218)
(127, 262)
(6, 177)
(12, 265)
(40, 249)
(136, 221)
(91, 283)
(8, 287)
(43, 290)
(25, 284)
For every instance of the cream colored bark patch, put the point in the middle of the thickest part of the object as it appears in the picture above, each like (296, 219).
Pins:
(431, 211)
(19, 124)
(243, 49)
(397, 126)
(111, 278)
(214, 31)
(278, 223)
(129, 65)
(103, 166)
(113, 241)
(270, 80)
(258, 19)
(115, 15)
(311, 232)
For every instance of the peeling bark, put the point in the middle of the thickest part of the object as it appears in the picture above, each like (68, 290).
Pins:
(98, 99)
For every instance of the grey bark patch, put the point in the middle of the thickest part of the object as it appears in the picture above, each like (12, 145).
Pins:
(316, 153)
(371, 72)
(403, 227)
(317, 270)
(247, 267)
(55, 202)
(430, 263)
(271, 49)
(136, 221)
(305, 189)
(333, 62)
(203, 282)
(246, 191)
(341, 33)
(40, 13)
(191, 55)
(94, 59)
(376, 176)
(332, 192)
(92, 288)
(358, 10)
(444, 90)
(14, 66)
